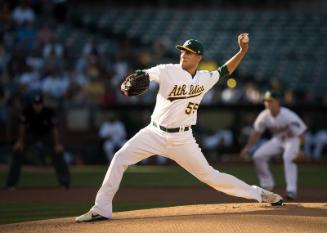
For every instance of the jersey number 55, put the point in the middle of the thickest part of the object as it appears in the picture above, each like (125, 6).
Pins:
(191, 108)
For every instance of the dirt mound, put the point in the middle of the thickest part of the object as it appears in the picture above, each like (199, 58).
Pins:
(244, 217)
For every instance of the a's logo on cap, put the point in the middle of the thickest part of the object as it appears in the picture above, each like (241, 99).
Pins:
(191, 45)
(272, 95)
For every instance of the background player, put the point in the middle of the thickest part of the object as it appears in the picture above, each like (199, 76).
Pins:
(181, 89)
(288, 131)
(112, 132)
(38, 126)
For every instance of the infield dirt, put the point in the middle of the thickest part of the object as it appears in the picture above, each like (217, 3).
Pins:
(240, 217)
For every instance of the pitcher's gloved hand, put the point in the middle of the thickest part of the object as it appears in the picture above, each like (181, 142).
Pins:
(136, 83)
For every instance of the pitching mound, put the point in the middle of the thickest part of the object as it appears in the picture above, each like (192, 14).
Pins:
(245, 217)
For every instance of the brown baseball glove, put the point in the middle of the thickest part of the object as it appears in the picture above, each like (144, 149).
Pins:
(136, 83)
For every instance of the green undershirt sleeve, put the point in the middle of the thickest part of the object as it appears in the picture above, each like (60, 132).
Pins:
(223, 71)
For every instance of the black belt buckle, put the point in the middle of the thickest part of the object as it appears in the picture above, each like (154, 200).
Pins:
(170, 130)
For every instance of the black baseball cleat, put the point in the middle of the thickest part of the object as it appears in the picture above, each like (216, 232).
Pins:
(90, 217)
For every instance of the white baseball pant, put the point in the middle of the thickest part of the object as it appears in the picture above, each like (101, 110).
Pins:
(290, 148)
(180, 147)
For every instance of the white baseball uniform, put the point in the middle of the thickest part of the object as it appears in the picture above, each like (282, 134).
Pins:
(286, 128)
(170, 134)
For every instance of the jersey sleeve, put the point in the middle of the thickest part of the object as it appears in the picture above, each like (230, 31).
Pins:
(155, 73)
(223, 71)
(259, 124)
(296, 124)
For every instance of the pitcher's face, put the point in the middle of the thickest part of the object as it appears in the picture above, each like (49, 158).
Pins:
(189, 60)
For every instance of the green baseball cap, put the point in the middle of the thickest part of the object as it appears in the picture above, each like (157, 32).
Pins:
(271, 95)
(191, 45)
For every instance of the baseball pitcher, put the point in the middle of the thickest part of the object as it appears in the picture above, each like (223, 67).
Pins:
(181, 89)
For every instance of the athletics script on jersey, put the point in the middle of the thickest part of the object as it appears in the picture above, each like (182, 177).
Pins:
(184, 92)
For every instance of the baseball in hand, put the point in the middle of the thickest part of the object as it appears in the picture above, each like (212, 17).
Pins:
(245, 38)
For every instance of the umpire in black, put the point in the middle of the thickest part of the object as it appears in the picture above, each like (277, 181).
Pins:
(38, 124)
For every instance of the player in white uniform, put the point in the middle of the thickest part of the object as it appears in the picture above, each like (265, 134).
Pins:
(287, 132)
(181, 89)
(113, 134)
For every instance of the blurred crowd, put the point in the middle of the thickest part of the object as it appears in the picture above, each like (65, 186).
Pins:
(34, 58)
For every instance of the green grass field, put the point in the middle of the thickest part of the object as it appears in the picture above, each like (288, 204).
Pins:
(310, 176)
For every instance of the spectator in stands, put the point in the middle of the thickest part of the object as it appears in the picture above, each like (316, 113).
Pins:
(289, 97)
(76, 81)
(120, 69)
(94, 91)
(251, 93)
(38, 126)
(23, 13)
(55, 84)
(29, 79)
(231, 95)
(113, 135)
(26, 36)
(160, 46)
(16, 63)
(45, 35)
(53, 48)
(91, 48)
(95, 69)
(109, 97)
